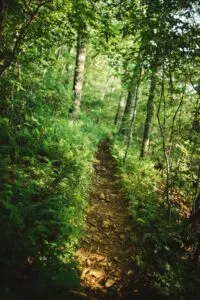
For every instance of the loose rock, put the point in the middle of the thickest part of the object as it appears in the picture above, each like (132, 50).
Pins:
(97, 274)
(102, 196)
(122, 236)
(106, 224)
(106, 259)
(109, 283)
(130, 273)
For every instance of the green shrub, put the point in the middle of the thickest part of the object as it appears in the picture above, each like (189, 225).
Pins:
(160, 245)
(45, 171)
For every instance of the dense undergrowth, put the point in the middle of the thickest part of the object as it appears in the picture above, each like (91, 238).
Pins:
(68, 69)
(45, 170)
(163, 253)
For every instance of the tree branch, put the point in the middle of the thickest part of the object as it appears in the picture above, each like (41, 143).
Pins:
(23, 32)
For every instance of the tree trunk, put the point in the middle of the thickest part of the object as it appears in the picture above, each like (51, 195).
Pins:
(162, 127)
(149, 115)
(130, 98)
(19, 38)
(79, 75)
(133, 111)
(3, 7)
(127, 112)
(118, 113)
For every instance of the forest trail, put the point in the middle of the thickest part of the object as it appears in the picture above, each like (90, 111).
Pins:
(106, 254)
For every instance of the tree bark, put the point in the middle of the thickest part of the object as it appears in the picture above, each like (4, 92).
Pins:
(133, 115)
(130, 98)
(19, 39)
(127, 112)
(3, 7)
(162, 128)
(149, 115)
(79, 75)
(117, 116)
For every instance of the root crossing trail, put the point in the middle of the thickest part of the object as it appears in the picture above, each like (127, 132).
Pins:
(106, 255)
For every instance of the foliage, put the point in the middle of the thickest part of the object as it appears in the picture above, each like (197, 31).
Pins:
(45, 166)
(46, 158)
(161, 247)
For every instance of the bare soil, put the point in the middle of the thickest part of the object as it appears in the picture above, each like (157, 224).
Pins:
(106, 256)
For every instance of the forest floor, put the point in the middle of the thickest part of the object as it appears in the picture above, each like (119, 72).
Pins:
(107, 253)
(106, 256)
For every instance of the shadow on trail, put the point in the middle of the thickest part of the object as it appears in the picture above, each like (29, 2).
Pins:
(107, 254)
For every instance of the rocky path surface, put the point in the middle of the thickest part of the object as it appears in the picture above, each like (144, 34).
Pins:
(106, 257)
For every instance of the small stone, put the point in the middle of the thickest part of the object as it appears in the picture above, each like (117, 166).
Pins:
(97, 274)
(100, 257)
(98, 168)
(113, 195)
(105, 224)
(116, 259)
(109, 283)
(93, 229)
(88, 262)
(122, 236)
(84, 272)
(102, 196)
(130, 273)
(128, 229)
(104, 264)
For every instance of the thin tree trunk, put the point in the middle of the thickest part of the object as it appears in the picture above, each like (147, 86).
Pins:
(127, 112)
(162, 128)
(19, 39)
(196, 196)
(175, 161)
(134, 109)
(130, 99)
(149, 115)
(79, 75)
(67, 67)
(3, 8)
(108, 82)
(117, 116)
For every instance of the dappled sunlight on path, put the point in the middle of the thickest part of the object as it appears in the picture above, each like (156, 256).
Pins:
(107, 254)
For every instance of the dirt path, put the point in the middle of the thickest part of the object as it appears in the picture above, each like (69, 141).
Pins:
(106, 256)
